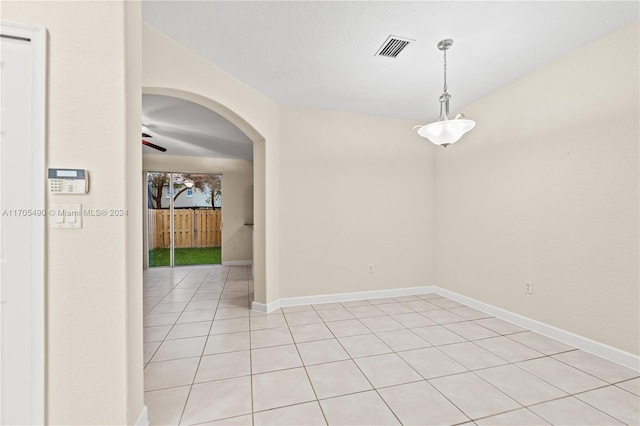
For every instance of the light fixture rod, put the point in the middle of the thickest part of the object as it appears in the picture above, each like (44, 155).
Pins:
(444, 106)
(444, 132)
(444, 45)
(444, 88)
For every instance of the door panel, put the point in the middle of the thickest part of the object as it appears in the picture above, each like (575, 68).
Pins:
(197, 234)
(185, 218)
(159, 219)
(22, 238)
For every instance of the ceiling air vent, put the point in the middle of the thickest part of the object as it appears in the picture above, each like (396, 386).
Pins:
(392, 47)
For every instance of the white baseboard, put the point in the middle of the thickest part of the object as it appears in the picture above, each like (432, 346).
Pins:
(340, 297)
(600, 349)
(237, 262)
(143, 418)
(261, 307)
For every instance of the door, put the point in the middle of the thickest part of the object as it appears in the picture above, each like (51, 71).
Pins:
(22, 224)
(197, 219)
(159, 219)
(185, 218)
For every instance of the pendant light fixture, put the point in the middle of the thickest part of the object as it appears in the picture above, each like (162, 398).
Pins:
(445, 131)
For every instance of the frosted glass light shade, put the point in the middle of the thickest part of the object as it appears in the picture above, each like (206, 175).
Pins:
(446, 132)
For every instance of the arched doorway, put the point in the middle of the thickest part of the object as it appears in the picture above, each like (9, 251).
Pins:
(259, 237)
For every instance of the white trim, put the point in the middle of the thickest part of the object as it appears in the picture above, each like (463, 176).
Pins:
(261, 307)
(600, 349)
(38, 37)
(143, 418)
(340, 297)
(145, 221)
(172, 222)
(237, 262)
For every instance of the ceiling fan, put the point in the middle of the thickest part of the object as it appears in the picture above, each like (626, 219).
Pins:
(151, 145)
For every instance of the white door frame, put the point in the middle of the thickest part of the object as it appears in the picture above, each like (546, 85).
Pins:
(38, 37)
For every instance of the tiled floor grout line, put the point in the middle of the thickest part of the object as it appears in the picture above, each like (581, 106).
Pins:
(522, 407)
(626, 390)
(362, 372)
(596, 408)
(163, 297)
(432, 346)
(253, 421)
(515, 364)
(382, 387)
(326, 323)
(568, 394)
(172, 325)
(507, 362)
(160, 301)
(497, 389)
(200, 356)
(177, 319)
(305, 370)
(451, 358)
(195, 374)
(575, 368)
(578, 368)
(571, 396)
(400, 384)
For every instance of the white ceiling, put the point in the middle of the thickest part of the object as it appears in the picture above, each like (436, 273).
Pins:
(321, 54)
(186, 128)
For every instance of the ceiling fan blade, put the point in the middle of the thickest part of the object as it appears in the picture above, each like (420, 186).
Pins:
(146, 135)
(154, 146)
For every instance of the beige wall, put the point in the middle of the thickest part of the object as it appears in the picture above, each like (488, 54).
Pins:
(487, 243)
(169, 68)
(545, 188)
(550, 197)
(374, 166)
(370, 186)
(355, 190)
(237, 196)
(94, 274)
(134, 196)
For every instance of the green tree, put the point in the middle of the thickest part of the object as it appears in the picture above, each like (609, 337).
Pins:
(215, 185)
(201, 182)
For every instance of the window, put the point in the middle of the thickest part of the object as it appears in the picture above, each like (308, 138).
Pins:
(189, 192)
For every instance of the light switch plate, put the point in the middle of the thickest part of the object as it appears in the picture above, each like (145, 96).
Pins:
(65, 216)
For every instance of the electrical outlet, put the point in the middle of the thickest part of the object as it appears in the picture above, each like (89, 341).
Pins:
(370, 269)
(528, 287)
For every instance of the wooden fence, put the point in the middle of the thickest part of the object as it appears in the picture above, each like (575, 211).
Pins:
(192, 228)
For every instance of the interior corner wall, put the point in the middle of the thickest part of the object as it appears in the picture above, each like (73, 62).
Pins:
(356, 190)
(134, 221)
(168, 65)
(237, 196)
(545, 189)
(90, 320)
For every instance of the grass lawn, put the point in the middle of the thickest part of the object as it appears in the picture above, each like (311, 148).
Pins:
(185, 256)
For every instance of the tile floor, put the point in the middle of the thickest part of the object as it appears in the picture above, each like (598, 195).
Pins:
(415, 360)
